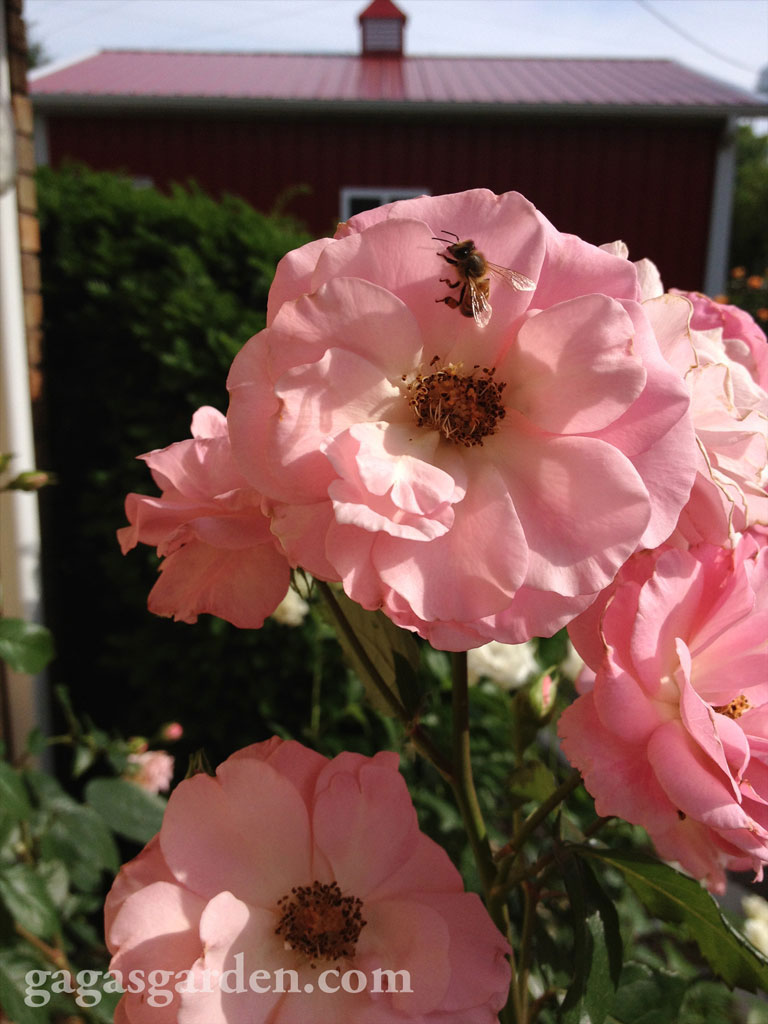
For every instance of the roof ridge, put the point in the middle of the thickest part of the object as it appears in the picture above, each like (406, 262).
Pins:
(580, 58)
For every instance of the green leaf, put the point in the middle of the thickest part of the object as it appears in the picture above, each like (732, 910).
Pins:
(126, 808)
(709, 1002)
(672, 896)
(533, 781)
(56, 880)
(597, 948)
(25, 896)
(13, 986)
(104, 1010)
(392, 652)
(79, 838)
(648, 996)
(83, 759)
(36, 741)
(26, 646)
(13, 796)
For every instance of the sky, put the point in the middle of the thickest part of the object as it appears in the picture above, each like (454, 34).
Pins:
(727, 39)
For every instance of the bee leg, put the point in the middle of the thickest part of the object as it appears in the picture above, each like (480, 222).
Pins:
(446, 280)
(450, 301)
(454, 263)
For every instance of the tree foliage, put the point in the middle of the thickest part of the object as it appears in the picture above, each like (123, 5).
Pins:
(749, 237)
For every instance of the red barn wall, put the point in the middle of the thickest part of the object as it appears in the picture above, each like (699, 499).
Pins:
(647, 181)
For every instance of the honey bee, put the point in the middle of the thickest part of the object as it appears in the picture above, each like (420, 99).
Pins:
(474, 272)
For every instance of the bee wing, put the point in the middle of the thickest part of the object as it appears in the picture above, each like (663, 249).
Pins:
(518, 281)
(481, 307)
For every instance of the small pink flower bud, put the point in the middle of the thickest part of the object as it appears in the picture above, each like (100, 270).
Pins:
(541, 697)
(151, 769)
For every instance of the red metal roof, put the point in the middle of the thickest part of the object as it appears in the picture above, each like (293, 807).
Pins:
(382, 9)
(168, 78)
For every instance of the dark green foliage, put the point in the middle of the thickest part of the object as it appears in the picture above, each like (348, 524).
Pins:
(749, 240)
(26, 646)
(147, 299)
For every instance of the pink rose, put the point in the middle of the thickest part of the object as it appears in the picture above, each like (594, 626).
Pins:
(286, 860)
(151, 770)
(742, 338)
(670, 730)
(477, 483)
(219, 554)
(729, 409)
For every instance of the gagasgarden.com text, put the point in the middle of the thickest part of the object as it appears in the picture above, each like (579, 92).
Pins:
(89, 986)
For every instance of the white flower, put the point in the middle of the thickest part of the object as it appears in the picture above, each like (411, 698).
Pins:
(756, 925)
(509, 665)
(292, 610)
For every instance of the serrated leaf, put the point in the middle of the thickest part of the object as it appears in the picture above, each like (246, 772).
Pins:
(596, 949)
(647, 996)
(26, 646)
(26, 898)
(675, 897)
(127, 809)
(393, 653)
(13, 796)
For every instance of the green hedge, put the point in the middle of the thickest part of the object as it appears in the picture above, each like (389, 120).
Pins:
(147, 298)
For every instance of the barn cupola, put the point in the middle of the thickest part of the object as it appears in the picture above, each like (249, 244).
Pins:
(382, 26)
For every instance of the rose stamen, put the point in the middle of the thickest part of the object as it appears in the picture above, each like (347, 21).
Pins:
(465, 408)
(319, 923)
(735, 708)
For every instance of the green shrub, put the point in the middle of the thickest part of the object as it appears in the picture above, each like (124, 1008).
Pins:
(147, 298)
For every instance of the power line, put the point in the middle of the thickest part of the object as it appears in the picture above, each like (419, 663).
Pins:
(691, 39)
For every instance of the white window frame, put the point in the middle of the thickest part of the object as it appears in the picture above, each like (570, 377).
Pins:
(385, 194)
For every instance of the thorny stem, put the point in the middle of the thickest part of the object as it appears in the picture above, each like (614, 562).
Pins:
(416, 733)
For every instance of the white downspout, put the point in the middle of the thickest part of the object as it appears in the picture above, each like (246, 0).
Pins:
(20, 588)
(721, 211)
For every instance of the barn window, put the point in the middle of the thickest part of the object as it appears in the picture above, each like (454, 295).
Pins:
(382, 35)
(356, 200)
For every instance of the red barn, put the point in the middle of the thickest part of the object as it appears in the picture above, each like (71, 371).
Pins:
(633, 149)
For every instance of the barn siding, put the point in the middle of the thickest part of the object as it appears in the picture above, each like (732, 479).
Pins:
(648, 181)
